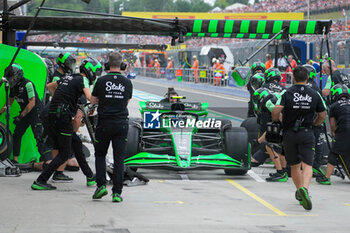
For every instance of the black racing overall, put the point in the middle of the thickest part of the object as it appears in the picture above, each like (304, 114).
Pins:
(62, 108)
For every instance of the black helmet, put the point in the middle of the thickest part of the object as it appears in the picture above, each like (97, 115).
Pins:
(91, 68)
(338, 91)
(14, 74)
(272, 74)
(66, 62)
(257, 81)
(50, 66)
(260, 97)
(311, 71)
(256, 67)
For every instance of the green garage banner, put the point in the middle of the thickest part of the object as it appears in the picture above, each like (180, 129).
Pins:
(34, 69)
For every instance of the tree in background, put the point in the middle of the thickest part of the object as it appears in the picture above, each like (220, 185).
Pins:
(225, 3)
(128, 5)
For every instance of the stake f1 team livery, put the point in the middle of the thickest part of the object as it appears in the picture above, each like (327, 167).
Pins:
(180, 136)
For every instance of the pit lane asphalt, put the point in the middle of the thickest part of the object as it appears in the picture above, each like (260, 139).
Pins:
(192, 201)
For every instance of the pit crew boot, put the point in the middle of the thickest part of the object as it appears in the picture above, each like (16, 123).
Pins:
(323, 180)
(100, 192)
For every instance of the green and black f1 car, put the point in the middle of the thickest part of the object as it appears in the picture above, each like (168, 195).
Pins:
(181, 136)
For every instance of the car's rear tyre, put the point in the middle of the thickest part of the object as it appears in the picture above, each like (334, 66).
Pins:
(236, 146)
(3, 142)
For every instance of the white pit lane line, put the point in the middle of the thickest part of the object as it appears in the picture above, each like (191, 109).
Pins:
(255, 176)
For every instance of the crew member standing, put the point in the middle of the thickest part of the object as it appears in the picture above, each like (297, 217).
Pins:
(298, 106)
(318, 130)
(112, 93)
(257, 67)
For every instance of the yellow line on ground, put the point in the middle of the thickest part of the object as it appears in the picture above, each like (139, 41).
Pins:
(161, 181)
(347, 204)
(258, 199)
(169, 202)
(289, 215)
(273, 215)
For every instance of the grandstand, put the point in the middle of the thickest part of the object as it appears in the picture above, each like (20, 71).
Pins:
(316, 6)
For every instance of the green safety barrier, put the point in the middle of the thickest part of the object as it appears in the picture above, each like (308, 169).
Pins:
(34, 69)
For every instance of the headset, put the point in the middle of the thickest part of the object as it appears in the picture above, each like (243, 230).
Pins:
(123, 65)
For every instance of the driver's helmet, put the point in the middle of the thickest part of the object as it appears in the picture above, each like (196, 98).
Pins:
(338, 91)
(14, 74)
(66, 61)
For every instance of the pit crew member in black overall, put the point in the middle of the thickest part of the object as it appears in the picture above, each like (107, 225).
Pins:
(298, 106)
(272, 84)
(112, 93)
(337, 77)
(257, 67)
(339, 114)
(63, 107)
(318, 130)
(265, 100)
(66, 65)
(23, 91)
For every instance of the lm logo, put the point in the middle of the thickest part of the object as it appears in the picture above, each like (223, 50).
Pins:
(151, 120)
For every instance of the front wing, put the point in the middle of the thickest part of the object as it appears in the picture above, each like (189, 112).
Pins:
(215, 161)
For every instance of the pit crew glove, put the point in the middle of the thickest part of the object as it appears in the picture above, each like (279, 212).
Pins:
(269, 105)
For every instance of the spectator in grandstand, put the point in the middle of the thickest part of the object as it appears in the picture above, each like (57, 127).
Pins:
(195, 68)
(269, 63)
